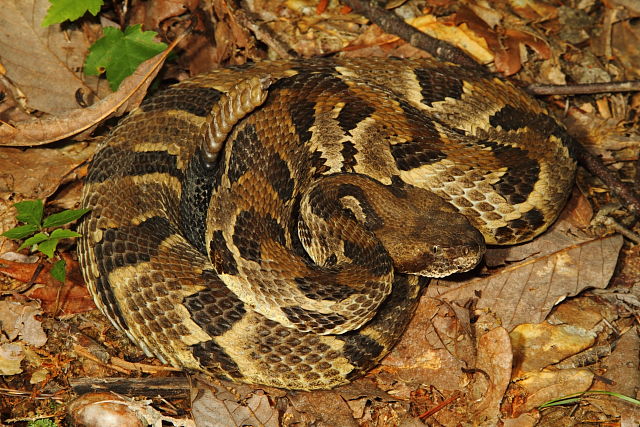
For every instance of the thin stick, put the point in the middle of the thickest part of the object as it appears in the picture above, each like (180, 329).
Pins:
(595, 166)
(587, 88)
(393, 24)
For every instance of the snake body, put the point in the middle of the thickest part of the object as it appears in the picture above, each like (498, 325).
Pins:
(275, 223)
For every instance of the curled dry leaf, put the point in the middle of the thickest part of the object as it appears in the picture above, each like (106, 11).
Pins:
(536, 346)
(70, 298)
(43, 63)
(459, 35)
(128, 96)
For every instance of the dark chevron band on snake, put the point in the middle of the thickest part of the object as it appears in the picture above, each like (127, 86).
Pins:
(275, 223)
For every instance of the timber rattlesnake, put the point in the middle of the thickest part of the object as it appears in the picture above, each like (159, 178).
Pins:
(274, 223)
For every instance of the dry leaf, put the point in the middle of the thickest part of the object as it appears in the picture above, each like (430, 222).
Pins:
(36, 173)
(533, 10)
(209, 410)
(327, 408)
(625, 41)
(536, 346)
(622, 370)
(506, 44)
(435, 350)
(493, 375)
(540, 387)
(70, 298)
(128, 96)
(11, 355)
(152, 13)
(18, 319)
(458, 35)
(44, 63)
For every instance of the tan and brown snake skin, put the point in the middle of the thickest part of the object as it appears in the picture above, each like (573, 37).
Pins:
(275, 223)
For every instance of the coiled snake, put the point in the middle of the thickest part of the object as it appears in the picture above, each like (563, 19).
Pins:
(275, 223)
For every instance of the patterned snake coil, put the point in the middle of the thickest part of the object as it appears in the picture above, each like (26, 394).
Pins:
(275, 223)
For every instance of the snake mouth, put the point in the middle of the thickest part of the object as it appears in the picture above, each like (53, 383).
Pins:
(445, 261)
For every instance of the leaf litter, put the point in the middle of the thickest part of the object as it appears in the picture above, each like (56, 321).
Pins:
(535, 322)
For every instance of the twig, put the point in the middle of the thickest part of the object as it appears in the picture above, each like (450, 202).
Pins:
(167, 387)
(86, 354)
(595, 166)
(393, 24)
(35, 274)
(456, 395)
(587, 88)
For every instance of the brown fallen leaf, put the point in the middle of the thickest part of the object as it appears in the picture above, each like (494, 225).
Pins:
(151, 13)
(540, 387)
(36, 173)
(533, 10)
(536, 346)
(129, 95)
(221, 409)
(505, 44)
(327, 408)
(625, 41)
(72, 297)
(493, 375)
(435, 350)
(19, 320)
(44, 63)
(622, 370)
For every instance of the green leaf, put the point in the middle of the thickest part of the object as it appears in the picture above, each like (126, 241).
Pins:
(48, 247)
(58, 271)
(29, 211)
(20, 232)
(60, 233)
(119, 54)
(34, 240)
(63, 217)
(63, 10)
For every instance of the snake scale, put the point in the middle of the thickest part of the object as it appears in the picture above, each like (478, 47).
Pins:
(275, 223)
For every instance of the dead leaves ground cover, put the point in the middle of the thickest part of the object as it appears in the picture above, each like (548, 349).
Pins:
(535, 322)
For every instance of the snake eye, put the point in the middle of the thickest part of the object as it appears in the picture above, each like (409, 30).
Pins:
(435, 249)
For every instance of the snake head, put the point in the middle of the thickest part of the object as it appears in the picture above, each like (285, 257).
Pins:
(429, 237)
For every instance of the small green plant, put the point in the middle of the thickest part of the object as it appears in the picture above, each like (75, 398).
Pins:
(44, 422)
(43, 235)
(577, 397)
(70, 10)
(118, 53)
